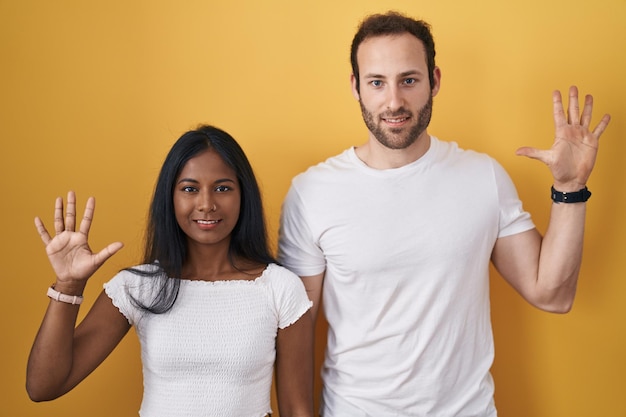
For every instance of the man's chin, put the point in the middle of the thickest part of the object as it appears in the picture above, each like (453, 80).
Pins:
(395, 144)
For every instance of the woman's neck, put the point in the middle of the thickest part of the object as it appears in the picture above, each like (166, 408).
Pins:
(210, 263)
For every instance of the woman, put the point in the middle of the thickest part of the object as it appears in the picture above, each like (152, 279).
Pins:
(214, 313)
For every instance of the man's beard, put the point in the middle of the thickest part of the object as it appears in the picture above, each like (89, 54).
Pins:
(393, 141)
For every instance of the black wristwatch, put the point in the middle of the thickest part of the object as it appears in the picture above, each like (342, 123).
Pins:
(579, 196)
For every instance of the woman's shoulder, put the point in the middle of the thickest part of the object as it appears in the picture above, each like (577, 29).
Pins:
(289, 294)
(278, 274)
(145, 269)
(134, 275)
(279, 270)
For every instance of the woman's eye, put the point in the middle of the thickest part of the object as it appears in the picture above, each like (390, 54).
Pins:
(222, 188)
(188, 189)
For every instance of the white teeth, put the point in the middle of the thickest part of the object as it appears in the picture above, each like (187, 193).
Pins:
(396, 120)
(206, 221)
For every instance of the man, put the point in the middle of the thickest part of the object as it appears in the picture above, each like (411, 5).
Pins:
(397, 234)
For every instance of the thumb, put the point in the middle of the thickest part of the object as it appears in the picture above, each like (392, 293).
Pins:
(533, 153)
(106, 253)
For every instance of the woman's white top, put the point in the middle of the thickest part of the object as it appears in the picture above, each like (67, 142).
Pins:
(213, 353)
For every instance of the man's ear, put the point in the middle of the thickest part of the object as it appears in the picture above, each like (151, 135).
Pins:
(355, 90)
(436, 81)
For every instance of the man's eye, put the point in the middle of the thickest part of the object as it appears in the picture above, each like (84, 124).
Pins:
(376, 83)
(410, 81)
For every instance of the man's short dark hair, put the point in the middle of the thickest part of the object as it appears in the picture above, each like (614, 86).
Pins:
(393, 23)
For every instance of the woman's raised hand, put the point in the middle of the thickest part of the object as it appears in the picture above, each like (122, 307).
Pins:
(68, 251)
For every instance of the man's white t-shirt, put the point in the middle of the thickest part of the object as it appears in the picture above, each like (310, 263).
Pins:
(406, 255)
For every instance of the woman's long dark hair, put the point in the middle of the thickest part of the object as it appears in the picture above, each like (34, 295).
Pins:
(166, 243)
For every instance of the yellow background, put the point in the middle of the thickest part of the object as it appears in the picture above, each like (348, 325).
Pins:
(93, 94)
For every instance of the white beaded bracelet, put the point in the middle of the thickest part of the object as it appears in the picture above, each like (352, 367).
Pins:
(64, 298)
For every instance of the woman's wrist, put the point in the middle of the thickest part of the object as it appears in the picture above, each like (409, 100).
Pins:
(69, 288)
(64, 298)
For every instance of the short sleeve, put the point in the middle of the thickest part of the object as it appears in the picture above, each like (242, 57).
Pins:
(298, 249)
(290, 298)
(513, 218)
(123, 289)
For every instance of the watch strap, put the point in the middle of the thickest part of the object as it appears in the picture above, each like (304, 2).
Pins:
(579, 196)
(64, 298)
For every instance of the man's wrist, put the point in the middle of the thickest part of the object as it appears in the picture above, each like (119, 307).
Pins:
(579, 196)
(568, 186)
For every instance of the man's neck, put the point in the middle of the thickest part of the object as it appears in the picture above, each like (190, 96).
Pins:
(377, 156)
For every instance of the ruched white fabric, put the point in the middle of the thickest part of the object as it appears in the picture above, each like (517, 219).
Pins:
(213, 353)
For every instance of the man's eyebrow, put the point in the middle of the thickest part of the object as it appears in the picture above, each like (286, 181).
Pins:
(402, 74)
(411, 72)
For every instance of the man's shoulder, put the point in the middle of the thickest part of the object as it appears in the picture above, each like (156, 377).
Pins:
(341, 162)
(451, 150)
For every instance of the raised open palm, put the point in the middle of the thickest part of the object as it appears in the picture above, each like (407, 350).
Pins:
(68, 251)
(573, 153)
